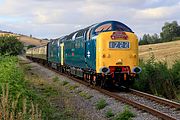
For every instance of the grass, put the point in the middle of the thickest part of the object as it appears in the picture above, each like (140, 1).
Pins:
(109, 113)
(85, 95)
(65, 83)
(57, 102)
(73, 87)
(125, 115)
(55, 79)
(9, 109)
(49, 91)
(163, 51)
(101, 104)
(78, 91)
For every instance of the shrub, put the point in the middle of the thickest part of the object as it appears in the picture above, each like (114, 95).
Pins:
(9, 45)
(156, 78)
(101, 104)
(175, 70)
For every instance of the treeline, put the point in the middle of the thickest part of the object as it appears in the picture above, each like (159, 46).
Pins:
(170, 32)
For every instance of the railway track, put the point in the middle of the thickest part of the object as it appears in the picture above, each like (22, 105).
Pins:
(127, 98)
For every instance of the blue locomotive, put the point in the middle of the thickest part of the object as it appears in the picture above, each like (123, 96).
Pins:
(104, 54)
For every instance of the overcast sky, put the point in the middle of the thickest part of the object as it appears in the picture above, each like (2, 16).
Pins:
(54, 18)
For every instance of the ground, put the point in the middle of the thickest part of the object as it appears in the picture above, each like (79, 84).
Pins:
(74, 101)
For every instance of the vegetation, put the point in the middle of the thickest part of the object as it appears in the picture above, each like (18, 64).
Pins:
(65, 83)
(61, 104)
(20, 99)
(73, 87)
(170, 32)
(109, 113)
(101, 104)
(9, 45)
(30, 46)
(158, 79)
(175, 71)
(9, 109)
(15, 99)
(55, 79)
(125, 115)
(85, 95)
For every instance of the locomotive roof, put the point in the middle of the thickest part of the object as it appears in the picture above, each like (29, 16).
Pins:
(94, 26)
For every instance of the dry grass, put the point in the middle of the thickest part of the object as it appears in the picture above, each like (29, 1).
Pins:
(169, 51)
(28, 40)
(32, 41)
(10, 111)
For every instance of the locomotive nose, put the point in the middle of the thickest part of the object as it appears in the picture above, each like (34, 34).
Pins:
(137, 70)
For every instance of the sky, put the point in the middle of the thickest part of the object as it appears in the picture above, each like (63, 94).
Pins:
(55, 18)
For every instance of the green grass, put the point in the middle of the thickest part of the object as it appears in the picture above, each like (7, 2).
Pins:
(65, 83)
(55, 79)
(101, 104)
(49, 91)
(73, 87)
(125, 115)
(85, 95)
(17, 98)
(78, 91)
(109, 113)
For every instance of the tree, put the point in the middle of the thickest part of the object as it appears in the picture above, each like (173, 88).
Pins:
(149, 39)
(169, 31)
(9, 45)
(155, 38)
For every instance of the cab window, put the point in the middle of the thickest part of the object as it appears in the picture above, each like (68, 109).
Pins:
(103, 28)
(121, 27)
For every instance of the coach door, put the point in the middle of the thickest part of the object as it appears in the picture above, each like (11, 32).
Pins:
(62, 53)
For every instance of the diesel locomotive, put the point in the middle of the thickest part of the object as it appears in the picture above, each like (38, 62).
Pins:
(104, 54)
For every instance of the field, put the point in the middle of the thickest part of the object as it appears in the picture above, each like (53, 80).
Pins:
(169, 51)
(31, 41)
(26, 40)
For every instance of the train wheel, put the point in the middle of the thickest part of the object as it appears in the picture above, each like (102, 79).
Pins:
(103, 82)
(85, 76)
(89, 79)
(94, 80)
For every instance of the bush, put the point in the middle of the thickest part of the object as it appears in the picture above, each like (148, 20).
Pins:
(156, 78)
(175, 70)
(9, 45)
